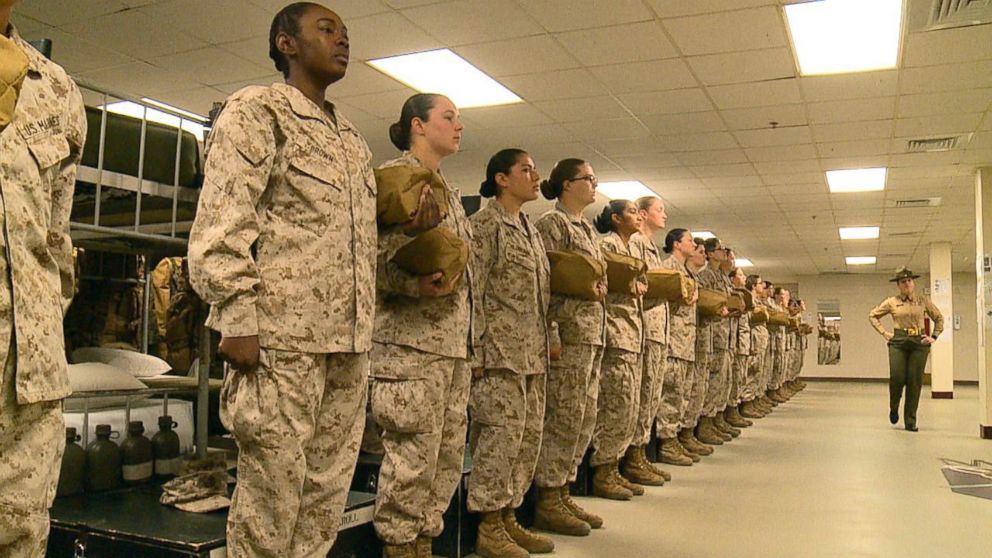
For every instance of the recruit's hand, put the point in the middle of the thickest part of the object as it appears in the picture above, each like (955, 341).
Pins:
(601, 291)
(640, 288)
(240, 352)
(694, 299)
(434, 286)
(428, 214)
(724, 312)
(927, 340)
(554, 353)
(888, 336)
(477, 372)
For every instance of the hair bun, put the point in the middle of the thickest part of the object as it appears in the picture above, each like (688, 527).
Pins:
(487, 189)
(397, 137)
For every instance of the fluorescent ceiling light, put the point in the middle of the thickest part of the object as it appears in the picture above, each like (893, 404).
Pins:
(830, 319)
(442, 71)
(858, 233)
(135, 110)
(705, 235)
(856, 180)
(625, 190)
(843, 36)
(860, 260)
(743, 262)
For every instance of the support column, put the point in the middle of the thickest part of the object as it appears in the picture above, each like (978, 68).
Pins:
(983, 263)
(941, 293)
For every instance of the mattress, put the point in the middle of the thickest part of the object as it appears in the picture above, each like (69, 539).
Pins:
(145, 410)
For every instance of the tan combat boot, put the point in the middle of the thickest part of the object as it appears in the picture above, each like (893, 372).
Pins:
(592, 519)
(636, 469)
(425, 546)
(707, 434)
(721, 424)
(633, 487)
(527, 540)
(654, 468)
(551, 514)
(766, 404)
(695, 457)
(493, 541)
(748, 410)
(408, 550)
(693, 445)
(673, 453)
(773, 398)
(777, 396)
(607, 485)
(734, 418)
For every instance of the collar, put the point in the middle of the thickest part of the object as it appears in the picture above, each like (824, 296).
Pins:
(506, 217)
(306, 108)
(576, 220)
(906, 298)
(35, 59)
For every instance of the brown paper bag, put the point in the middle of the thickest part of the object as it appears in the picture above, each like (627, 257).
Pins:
(399, 193)
(575, 275)
(438, 249)
(622, 271)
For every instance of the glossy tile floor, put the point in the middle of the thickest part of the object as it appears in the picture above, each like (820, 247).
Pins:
(825, 475)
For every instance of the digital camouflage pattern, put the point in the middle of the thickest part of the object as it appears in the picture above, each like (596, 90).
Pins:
(511, 294)
(579, 321)
(293, 185)
(298, 422)
(617, 407)
(655, 310)
(570, 413)
(681, 320)
(40, 149)
(653, 365)
(507, 421)
(423, 421)
(435, 325)
(674, 397)
(624, 322)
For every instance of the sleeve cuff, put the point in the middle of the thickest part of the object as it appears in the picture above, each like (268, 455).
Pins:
(235, 319)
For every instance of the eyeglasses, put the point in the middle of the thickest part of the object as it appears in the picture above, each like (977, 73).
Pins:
(592, 179)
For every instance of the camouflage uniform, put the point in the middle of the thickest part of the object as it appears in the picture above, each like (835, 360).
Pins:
(655, 318)
(756, 381)
(420, 385)
(620, 381)
(721, 358)
(511, 347)
(697, 384)
(573, 380)
(283, 247)
(741, 342)
(681, 356)
(777, 351)
(39, 151)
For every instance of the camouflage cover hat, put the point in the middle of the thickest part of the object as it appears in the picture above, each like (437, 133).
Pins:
(903, 273)
(439, 249)
(399, 193)
(622, 271)
(575, 275)
(202, 489)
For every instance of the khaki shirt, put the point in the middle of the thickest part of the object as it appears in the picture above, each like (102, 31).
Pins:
(655, 310)
(439, 326)
(512, 291)
(624, 326)
(719, 329)
(283, 244)
(907, 313)
(681, 320)
(39, 152)
(580, 322)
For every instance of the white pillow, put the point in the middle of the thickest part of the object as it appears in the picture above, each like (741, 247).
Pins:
(94, 376)
(137, 364)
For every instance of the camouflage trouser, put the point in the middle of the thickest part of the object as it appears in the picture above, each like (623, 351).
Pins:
(697, 382)
(652, 383)
(718, 383)
(298, 424)
(419, 400)
(619, 396)
(673, 399)
(32, 438)
(779, 359)
(507, 421)
(569, 415)
(797, 364)
(755, 371)
(738, 380)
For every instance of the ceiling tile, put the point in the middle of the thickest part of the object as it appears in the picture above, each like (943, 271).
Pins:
(387, 34)
(635, 163)
(200, 19)
(382, 105)
(850, 86)
(831, 112)
(199, 100)
(962, 44)
(733, 169)
(850, 131)
(656, 75)
(720, 32)
(505, 116)
(616, 128)
(666, 102)
(699, 142)
(943, 125)
(765, 93)
(777, 136)
(474, 21)
(27, 26)
(678, 8)
(739, 67)
(635, 42)
(347, 9)
(860, 148)
(134, 33)
(974, 100)
(138, 79)
(60, 12)
(77, 55)
(573, 110)
(362, 79)
(786, 167)
(518, 56)
(948, 77)
(762, 117)
(553, 14)
(210, 66)
(559, 84)
(693, 122)
(781, 153)
(722, 156)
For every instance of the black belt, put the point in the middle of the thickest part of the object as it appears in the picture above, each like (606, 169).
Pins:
(911, 332)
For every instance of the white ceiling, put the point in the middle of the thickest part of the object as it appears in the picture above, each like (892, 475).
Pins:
(679, 94)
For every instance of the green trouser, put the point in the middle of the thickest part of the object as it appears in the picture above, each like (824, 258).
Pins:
(907, 361)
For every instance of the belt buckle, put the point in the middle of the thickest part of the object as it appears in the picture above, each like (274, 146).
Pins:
(912, 332)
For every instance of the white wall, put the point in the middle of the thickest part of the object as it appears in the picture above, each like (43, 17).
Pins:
(863, 351)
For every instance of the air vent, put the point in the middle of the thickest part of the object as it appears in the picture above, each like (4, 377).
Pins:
(915, 203)
(960, 13)
(904, 234)
(894, 255)
(932, 145)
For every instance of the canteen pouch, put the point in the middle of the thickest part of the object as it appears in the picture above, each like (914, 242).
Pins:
(438, 249)
(399, 190)
(622, 271)
(575, 275)
(669, 284)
